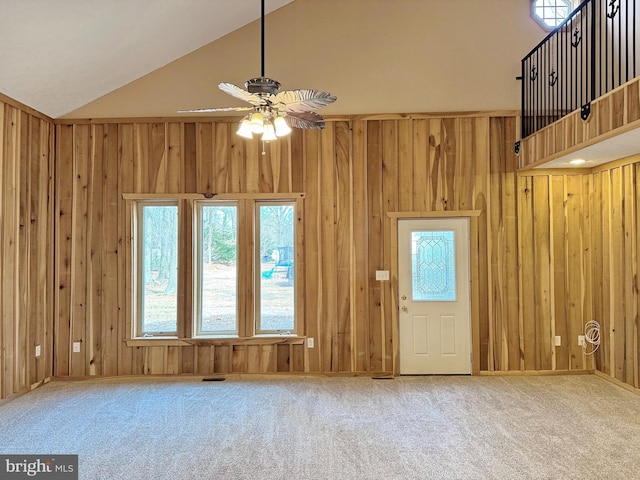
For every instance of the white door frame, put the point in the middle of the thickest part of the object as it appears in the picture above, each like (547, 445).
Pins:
(473, 265)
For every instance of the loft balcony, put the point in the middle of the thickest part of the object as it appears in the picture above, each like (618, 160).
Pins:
(581, 90)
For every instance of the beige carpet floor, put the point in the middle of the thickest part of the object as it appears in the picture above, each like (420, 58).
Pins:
(561, 427)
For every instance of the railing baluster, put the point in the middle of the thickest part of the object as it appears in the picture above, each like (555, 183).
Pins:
(585, 57)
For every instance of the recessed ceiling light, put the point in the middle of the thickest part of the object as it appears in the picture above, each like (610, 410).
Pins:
(577, 161)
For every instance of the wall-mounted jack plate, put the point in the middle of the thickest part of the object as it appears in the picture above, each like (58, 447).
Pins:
(38, 350)
(581, 340)
(558, 340)
(76, 347)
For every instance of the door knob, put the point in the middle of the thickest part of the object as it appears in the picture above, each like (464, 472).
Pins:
(405, 309)
(404, 297)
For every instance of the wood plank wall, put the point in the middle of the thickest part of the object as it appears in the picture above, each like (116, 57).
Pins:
(353, 174)
(615, 200)
(26, 248)
(555, 269)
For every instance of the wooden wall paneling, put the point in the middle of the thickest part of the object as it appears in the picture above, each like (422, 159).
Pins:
(575, 266)
(39, 305)
(504, 245)
(586, 290)
(220, 160)
(157, 161)
(370, 258)
(390, 168)
(190, 158)
(636, 335)
(222, 359)
(558, 257)
(297, 165)
(606, 319)
(125, 313)
(174, 182)
(10, 251)
(112, 252)
(509, 207)
(436, 167)
(405, 165)
(630, 276)
(597, 205)
(237, 178)
(448, 169)
(365, 349)
(617, 275)
(238, 359)
(26, 250)
(205, 182)
(297, 358)
(95, 250)
(79, 267)
(23, 318)
(330, 362)
(420, 186)
(473, 148)
(6, 362)
(347, 323)
(526, 280)
(64, 221)
(498, 322)
(283, 362)
(543, 314)
(312, 234)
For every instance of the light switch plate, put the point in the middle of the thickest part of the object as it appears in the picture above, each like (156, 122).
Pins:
(382, 274)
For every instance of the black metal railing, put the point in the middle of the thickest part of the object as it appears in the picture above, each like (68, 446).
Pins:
(589, 54)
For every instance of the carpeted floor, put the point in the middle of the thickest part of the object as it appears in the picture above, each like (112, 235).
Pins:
(560, 427)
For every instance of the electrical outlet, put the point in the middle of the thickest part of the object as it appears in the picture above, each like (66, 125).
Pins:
(76, 347)
(558, 340)
(37, 350)
(310, 342)
(581, 340)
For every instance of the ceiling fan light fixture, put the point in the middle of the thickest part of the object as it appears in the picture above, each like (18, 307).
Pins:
(257, 122)
(269, 132)
(281, 126)
(244, 130)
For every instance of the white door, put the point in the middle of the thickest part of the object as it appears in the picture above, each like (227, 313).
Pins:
(434, 297)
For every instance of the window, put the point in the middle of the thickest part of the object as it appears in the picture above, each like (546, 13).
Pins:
(275, 303)
(551, 13)
(215, 268)
(156, 268)
(433, 266)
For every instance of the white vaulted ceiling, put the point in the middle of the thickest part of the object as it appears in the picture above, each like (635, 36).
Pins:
(57, 55)
(150, 58)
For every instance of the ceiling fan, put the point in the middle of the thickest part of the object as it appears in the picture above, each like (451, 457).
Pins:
(273, 113)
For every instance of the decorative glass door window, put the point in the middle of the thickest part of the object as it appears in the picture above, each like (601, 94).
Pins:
(433, 266)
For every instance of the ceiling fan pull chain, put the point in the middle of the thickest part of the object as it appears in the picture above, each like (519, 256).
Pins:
(263, 150)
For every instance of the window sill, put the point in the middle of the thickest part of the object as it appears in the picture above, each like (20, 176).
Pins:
(203, 341)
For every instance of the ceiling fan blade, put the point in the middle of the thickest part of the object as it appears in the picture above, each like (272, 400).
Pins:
(236, 91)
(218, 109)
(303, 100)
(305, 120)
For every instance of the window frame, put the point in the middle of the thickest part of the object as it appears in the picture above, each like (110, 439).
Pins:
(186, 321)
(573, 4)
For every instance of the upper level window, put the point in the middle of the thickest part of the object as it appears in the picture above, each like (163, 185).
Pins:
(551, 13)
